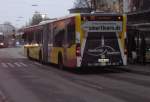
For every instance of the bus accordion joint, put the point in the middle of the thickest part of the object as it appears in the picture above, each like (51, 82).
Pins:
(78, 50)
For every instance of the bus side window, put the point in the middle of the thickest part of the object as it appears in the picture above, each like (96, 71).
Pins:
(38, 37)
(71, 33)
(24, 37)
(31, 37)
(59, 38)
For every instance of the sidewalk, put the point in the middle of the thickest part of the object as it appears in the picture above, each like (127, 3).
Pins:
(16, 52)
(141, 69)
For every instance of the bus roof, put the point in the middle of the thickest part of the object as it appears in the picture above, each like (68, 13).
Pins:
(73, 15)
(56, 19)
(50, 21)
(102, 14)
(31, 28)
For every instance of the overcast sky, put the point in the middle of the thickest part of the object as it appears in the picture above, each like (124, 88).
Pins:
(14, 10)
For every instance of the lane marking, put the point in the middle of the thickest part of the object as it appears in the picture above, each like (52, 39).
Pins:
(4, 65)
(25, 65)
(11, 65)
(37, 63)
(17, 64)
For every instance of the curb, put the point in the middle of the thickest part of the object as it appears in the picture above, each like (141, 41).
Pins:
(139, 69)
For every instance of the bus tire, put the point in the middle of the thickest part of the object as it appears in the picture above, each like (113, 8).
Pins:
(40, 56)
(28, 54)
(60, 61)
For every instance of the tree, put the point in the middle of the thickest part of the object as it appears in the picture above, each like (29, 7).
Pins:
(36, 19)
(82, 4)
(100, 5)
(7, 28)
(7, 23)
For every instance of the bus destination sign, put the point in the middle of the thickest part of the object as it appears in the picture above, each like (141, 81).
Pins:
(102, 26)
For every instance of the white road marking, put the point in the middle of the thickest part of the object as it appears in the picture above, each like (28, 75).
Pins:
(4, 65)
(21, 63)
(17, 64)
(37, 63)
(11, 65)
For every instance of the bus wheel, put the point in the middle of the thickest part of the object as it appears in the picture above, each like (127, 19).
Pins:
(40, 56)
(60, 61)
(28, 53)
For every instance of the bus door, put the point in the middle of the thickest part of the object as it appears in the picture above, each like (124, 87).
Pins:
(45, 44)
(102, 45)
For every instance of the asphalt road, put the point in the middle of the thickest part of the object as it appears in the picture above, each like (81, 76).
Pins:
(23, 80)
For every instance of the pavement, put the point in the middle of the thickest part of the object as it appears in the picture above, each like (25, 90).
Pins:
(13, 53)
(138, 68)
(23, 80)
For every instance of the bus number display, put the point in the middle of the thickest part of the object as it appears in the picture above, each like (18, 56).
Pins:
(92, 26)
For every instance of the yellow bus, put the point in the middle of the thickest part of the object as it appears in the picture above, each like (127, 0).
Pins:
(79, 40)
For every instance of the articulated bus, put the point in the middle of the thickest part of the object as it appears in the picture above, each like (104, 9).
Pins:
(79, 40)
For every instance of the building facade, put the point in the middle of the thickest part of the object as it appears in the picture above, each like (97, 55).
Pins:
(98, 5)
(139, 5)
(139, 29)
(108, 5)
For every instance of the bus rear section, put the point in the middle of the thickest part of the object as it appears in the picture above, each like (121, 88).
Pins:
(103, 42)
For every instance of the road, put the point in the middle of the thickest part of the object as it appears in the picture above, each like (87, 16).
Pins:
(23, 80)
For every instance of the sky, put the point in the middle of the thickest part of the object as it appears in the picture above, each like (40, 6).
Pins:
(18, 12)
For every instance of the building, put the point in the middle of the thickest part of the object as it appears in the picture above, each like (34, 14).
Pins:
(98, 5)
(139, 5)
(108, 5)
(9, 32)
(139, 30)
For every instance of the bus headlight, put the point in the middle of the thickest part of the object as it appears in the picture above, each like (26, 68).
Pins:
(2, 44)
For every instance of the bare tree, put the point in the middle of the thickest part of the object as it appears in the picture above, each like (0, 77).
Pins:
(108, 5)
(7, 28)
(82, 4)
(7, 23)
(100, 5)
(36, 19)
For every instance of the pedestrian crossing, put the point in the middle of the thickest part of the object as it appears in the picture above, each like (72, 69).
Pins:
(13, 64)
(10, 64)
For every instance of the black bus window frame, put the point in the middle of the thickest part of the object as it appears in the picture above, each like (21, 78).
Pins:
(70, 27)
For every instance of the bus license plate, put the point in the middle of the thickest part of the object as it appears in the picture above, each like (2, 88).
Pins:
(103, 60)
